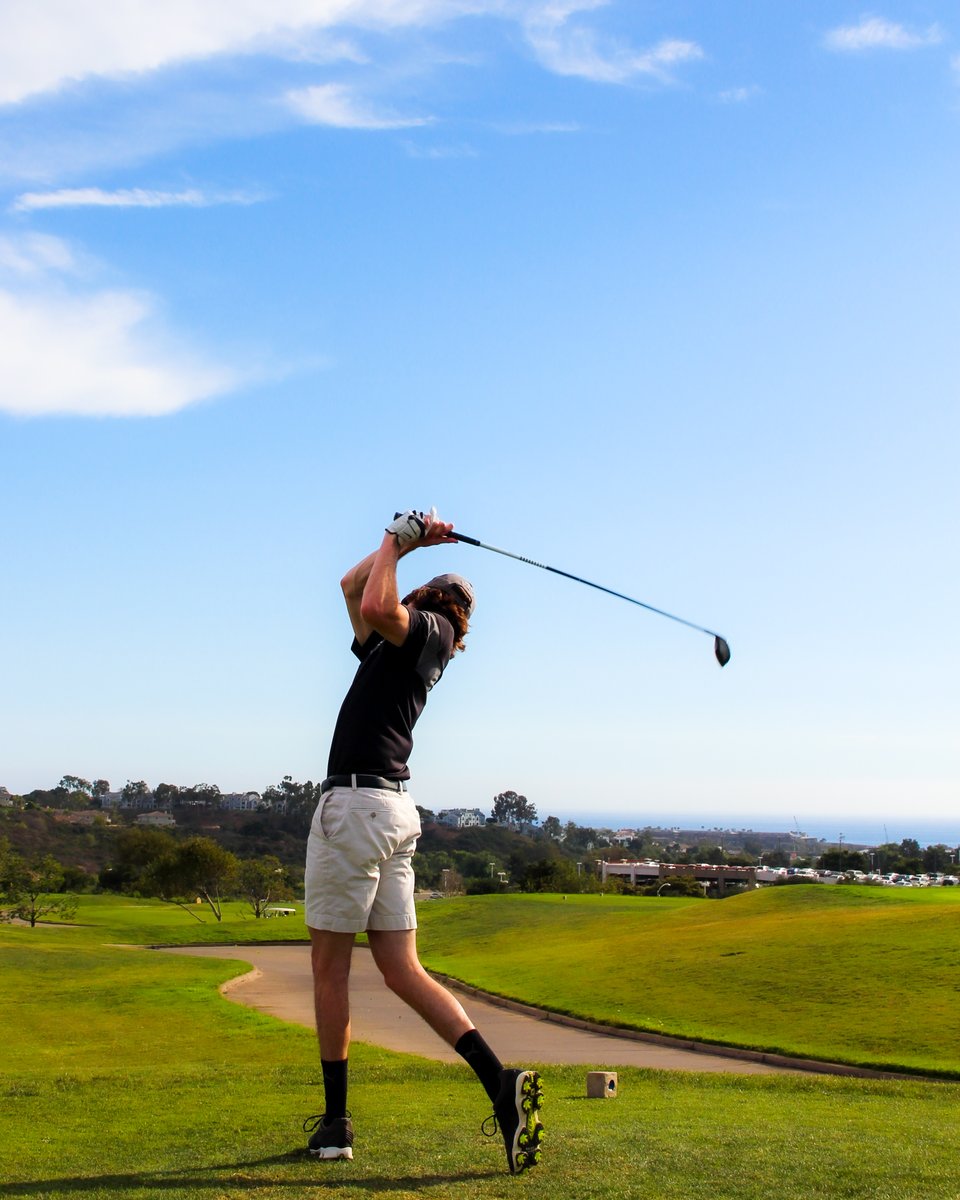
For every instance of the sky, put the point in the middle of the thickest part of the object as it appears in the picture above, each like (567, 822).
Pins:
(663, 295)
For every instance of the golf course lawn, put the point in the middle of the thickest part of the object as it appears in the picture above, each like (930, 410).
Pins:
(861, 975)
(125, 1073)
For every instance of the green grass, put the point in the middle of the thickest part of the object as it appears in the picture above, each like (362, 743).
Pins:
(860, 975)
(125, 1074)
(868, 976)
(125, 919)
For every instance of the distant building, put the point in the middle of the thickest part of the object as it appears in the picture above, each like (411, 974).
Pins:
(6, 800)
(461, 818)
(156, 820)
(623, 837)
(86, 816)
(118, 800)
(241, 801)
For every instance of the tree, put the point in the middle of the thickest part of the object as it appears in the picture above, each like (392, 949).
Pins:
(166, 795)
(553, 829)
(937, 858)
(550, 875)
(511, 809)
(134, 791)
(73, 783)
(192, 868)
(263, 881)
(31, 891)
(844, 860)
(99, 788)
(298, 801)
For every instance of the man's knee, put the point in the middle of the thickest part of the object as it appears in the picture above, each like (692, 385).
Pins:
(401, 976)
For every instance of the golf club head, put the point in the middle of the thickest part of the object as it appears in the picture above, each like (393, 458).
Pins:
(721, 650)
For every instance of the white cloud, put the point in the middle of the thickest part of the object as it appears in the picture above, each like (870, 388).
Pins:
(35, 256)
(877, 33)
(335, 104)
(526, 128)
(70, 349)
(739, 95)
(439, 152)
(573, 49)
(127, 198)
(44, 47)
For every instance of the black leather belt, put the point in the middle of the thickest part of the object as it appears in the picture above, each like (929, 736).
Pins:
(362, 781)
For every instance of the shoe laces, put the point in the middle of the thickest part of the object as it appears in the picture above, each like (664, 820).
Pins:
(313, 1123)
(493, 1123)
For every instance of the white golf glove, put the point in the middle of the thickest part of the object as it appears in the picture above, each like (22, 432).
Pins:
(407, 527)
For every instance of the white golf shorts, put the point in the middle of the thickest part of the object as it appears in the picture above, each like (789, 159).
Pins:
(359, 872)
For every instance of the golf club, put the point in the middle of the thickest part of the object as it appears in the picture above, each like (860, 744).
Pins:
(720, 647)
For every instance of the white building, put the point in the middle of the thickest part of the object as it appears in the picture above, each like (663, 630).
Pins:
(241, 801)
(156, 820)
(461, 818)
(623, 837)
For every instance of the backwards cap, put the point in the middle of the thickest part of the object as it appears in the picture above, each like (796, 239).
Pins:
(456, 586)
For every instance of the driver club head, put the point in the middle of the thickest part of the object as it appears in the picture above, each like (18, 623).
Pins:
(721, 650)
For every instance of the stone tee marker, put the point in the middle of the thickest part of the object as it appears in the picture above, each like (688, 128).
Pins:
(602, 1085)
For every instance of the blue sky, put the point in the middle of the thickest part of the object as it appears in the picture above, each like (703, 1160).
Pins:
(662, 295)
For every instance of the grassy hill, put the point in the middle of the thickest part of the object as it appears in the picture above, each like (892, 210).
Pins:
(863, 975)
(868, 976)
(129, 1075)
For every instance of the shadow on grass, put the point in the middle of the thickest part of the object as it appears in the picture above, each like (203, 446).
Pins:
(219, 1175)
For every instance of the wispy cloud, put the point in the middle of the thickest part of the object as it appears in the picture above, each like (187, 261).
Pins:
(140, 81)
(34, 256)
(877, 33)
(567, 47)
(414, 150)
(527, 128)
(128, 198)
(69, 348)
(45, 47)
(336, 104)
(739, 95)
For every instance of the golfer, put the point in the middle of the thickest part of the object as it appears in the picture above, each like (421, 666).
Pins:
(359, 874)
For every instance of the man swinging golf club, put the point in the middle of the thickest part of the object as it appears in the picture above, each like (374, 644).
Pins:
(359, 875)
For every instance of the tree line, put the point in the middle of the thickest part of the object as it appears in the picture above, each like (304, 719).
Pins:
(147, 862)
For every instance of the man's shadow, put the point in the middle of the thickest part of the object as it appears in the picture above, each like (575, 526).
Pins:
(198, 1178)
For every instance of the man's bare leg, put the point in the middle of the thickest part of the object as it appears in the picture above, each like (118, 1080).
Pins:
(330, 955)
(395, 953)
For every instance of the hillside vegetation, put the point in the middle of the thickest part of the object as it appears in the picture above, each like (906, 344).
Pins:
(130, 1076)
(860, 975)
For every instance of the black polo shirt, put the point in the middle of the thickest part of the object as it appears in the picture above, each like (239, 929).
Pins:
(374, 731)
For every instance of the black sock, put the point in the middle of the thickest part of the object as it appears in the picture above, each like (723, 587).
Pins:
(335, 1087)
(482, 1059)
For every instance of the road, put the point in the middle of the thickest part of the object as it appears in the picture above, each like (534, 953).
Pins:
(281, 985)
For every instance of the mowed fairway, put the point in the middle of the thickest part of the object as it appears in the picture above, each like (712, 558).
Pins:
(125, 1074)
(861, 975)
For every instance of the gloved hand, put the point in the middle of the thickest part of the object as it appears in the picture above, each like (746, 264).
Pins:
(407, 527)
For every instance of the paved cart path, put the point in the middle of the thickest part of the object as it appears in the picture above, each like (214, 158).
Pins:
(282, 986)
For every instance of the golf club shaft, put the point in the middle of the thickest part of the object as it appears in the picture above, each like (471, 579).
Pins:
(471, 541)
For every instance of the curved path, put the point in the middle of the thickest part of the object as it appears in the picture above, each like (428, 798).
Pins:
(281, 985)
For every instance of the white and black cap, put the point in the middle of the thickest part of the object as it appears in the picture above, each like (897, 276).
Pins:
(456, 586)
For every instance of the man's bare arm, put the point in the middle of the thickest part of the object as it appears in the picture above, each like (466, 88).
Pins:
(379, 607)
(352, 585)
